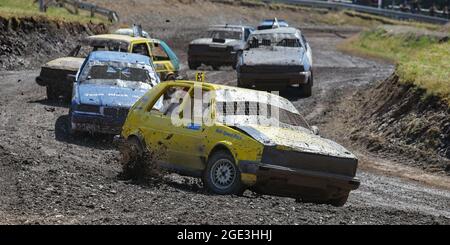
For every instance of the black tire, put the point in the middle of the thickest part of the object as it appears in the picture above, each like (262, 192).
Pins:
(193, 65)
(216, 67)
(51, 93)
(222, 176)
(70, 131)
(240, 85)
(306, 89)
(131, 158)
(339, 202)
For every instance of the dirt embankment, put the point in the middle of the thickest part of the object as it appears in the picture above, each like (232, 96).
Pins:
(401, 120)
(29, 42)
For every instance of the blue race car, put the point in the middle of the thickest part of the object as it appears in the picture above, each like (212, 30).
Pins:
(105, 87)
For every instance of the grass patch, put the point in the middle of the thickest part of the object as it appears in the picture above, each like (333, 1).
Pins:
(421, 60)
(28, 8)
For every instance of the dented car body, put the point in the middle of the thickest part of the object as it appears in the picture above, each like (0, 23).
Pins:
(220, 48)
(106, 86)
(54, 73)
(240, 139)
(276, 58)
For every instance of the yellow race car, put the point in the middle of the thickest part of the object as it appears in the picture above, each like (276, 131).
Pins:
(234, 139)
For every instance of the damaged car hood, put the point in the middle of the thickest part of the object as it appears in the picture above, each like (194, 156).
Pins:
(209, 41)
(124, 95)
(273, 56)
(301, 140)
(65, 63)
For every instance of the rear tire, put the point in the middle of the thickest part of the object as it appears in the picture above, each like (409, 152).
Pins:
(222, 176)
(193, 65)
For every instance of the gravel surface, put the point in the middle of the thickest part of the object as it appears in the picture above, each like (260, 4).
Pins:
(47, 177)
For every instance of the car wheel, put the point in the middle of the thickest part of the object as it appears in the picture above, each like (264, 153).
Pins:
(131, 153)
(306, 89)
(216, 68)
(240, 85)
(71, 131)
(222, 176)
(51, 93)
(339, 202)
(193, 65)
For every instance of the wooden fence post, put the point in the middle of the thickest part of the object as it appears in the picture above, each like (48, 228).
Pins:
(42, 7)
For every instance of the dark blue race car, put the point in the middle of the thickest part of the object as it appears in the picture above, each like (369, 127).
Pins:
(105, 87)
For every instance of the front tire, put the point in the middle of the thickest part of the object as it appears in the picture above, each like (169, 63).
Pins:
(339, 202)
(222, 176)
(306, 89)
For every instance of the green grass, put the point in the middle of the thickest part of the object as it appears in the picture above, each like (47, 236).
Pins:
(27, 8)
(422, 61)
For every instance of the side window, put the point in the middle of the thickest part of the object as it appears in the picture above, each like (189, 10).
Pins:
(141, 48)
(159, 53)
(171, 99)
(304, 42)
(246, 33)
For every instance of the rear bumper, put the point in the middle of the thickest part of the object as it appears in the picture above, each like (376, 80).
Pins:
(289, 182)
(96, 123)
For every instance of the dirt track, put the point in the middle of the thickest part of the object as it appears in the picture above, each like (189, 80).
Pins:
(47, 177)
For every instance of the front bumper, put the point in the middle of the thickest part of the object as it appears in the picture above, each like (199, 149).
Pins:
(267, 77)
(96, 123)
(212, 56)
(296, 183)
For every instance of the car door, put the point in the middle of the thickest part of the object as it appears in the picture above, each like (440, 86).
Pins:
(189, 139)
(156, 125)
(141, 47)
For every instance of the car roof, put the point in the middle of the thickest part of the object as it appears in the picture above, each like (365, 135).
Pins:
(271, 21)
(119, 57)
(279, 30)
(117, 37)
(129, 32)
(228, 26)
(204, 84)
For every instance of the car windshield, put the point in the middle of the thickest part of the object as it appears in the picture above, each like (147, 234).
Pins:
(274, 39)
(247, 107)
(110, 72)
(225, 34)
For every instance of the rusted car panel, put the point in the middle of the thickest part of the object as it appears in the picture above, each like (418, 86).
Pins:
(54, 74)
(275, 149)
(220, 48)
(276, 58)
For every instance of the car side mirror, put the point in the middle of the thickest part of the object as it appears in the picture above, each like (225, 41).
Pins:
(315, 130)
(71, 78)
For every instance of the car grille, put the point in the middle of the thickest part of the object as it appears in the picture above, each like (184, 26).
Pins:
(310, 161)
(209, 49)
(115, 112)
(88, 108)
(270, 69)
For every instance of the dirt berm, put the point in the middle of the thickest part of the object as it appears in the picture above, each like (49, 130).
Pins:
(29, 42)
(402, 120)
